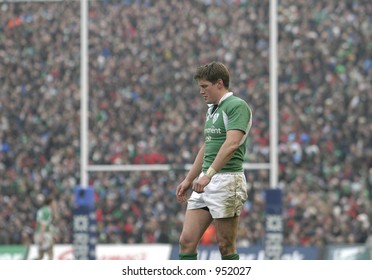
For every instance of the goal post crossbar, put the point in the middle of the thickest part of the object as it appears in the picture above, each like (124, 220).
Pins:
(161, 167)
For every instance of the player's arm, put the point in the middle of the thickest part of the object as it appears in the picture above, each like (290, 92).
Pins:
(228, 148)
(194, 172)
(42, 231)
(43, 220)
(197, 166)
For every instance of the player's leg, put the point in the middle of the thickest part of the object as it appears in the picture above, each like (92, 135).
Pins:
(49, 245)
(195, 223)
(50, 253)
(226, 231)
(225, 196)
(40, 253)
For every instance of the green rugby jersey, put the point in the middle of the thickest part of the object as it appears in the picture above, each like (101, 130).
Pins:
(232, 113)
(44, 216)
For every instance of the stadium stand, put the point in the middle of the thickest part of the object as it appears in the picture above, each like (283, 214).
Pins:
(144, 108)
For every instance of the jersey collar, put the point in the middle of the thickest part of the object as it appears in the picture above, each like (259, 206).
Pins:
(225, 96)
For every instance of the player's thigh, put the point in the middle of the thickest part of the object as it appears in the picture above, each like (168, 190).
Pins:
(227, 229)
(195, 223)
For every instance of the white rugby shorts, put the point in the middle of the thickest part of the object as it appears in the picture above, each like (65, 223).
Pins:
(47, 241)
(224, 195)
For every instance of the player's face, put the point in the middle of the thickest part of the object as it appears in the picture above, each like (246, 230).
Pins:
(209, 91)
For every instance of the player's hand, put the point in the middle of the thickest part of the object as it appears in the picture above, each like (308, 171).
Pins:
(201, 183)
(181, 192)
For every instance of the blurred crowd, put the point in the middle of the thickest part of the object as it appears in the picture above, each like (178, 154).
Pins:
(144, 108)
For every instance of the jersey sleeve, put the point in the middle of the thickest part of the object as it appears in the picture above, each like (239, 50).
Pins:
(239, 116)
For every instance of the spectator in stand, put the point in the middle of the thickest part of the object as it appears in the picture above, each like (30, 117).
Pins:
(139, 53)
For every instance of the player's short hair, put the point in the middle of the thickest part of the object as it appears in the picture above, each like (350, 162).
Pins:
(212, 72)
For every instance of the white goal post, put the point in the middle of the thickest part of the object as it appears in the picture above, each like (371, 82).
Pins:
(85, 168)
